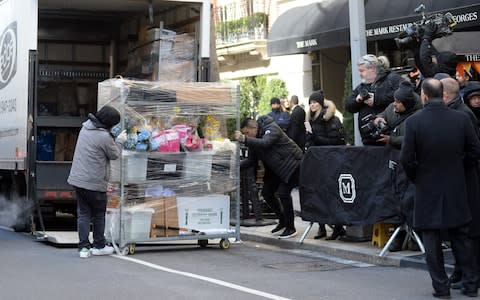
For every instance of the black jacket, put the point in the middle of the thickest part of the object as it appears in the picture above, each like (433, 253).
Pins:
(385, 85)
(326, 128)
(296, 129)
(277, 151)
(436, 141)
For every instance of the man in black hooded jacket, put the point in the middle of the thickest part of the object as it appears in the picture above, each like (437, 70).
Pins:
(281, 158)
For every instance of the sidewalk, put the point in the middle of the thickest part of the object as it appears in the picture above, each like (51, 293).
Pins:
(358, 251)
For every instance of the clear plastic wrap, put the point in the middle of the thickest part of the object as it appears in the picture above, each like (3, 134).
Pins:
(163, 55)
(177, 159)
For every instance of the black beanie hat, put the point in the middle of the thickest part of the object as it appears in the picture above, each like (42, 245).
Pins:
(405, 94)
(472, 88)
(274, 100)
(447, 62)
(108, 116)
(317, 96)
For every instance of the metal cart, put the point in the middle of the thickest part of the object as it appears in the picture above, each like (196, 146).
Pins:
(178, 175)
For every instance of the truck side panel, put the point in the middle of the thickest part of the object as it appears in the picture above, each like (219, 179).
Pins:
(18, 35)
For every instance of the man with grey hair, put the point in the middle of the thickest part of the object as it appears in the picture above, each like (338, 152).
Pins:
(374, 94)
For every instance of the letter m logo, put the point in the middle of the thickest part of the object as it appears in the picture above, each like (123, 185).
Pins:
(346, 188)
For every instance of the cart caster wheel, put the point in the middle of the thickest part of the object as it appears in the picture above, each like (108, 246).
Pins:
(124, 251)
(203, 243)
(224, 244)
(131, 249)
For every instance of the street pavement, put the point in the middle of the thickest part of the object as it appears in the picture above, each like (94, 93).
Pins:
(358, 251)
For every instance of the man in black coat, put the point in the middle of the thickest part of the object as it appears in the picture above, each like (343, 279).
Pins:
(281, 158)
(374, 94)
(296, 128)
(437, 140)
(453, 100)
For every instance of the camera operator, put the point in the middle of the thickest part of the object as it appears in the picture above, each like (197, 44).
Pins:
(406, 103)
(374, 94)
(429, 60)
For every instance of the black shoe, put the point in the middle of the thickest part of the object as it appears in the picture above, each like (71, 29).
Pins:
(456, 280)
(456, 285)
(469, 293)
(277, 230)
(338, 231)
(320, 234)
(288, 233)
(445, 295)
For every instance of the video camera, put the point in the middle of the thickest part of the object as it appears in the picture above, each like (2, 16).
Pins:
(445, 23)
(364, 92)
(372, 130)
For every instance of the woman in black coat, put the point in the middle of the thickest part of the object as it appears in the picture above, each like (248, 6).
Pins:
(324, 128)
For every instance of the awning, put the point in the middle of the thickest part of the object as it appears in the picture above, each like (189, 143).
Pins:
(326, 24)
(463, 43)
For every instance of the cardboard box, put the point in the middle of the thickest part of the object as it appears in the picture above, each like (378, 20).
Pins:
(165, 215)
(163, 232)
(204, 94)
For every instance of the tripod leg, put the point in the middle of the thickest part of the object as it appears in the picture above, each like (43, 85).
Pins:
(304, 235)
(419, 242)
(390, 241)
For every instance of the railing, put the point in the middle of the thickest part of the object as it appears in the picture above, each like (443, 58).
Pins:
(244, 27)
(258, 33)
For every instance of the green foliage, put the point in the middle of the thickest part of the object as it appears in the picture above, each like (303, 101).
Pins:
(241, 25)
(249, 97)
(273, 88)
(347, 116)
(255, 95)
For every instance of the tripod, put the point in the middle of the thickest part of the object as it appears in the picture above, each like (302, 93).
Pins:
(411, 234)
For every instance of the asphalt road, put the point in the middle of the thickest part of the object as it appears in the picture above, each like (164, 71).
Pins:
(35, 270)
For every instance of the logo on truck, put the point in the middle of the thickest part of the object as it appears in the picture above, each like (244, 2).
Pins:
(8, 54)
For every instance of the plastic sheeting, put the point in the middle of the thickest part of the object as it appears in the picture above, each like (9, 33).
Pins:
(177, 159)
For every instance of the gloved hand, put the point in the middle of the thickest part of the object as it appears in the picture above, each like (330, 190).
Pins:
(429, 30)
(122, 137)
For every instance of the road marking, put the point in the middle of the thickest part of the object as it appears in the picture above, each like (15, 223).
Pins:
(204, 278)
(352, 263)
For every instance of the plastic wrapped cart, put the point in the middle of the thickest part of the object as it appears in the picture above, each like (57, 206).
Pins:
(178, 175)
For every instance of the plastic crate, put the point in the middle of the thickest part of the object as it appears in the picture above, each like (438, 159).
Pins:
(381, 233)
(135, 224)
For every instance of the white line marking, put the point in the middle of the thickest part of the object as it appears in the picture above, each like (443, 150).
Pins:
(353, 263)
(204, 278)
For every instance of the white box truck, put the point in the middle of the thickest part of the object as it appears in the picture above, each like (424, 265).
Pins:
(52, 55)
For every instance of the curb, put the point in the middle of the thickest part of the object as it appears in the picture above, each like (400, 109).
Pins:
(345, 253)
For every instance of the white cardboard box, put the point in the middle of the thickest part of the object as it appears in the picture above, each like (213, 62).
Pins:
(207, 213)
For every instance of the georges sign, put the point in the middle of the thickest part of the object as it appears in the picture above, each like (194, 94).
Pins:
(8, 54)
(464, 18)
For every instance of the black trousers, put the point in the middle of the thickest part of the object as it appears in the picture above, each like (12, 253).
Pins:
(463, 251)
(283, 208)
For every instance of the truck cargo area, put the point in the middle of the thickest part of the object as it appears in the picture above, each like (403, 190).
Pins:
(81, 43)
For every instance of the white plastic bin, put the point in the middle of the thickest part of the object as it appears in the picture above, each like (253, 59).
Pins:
(135, 166)
(135, 224)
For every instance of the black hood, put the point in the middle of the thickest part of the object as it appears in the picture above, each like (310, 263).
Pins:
(96, 122)
(263, 122)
